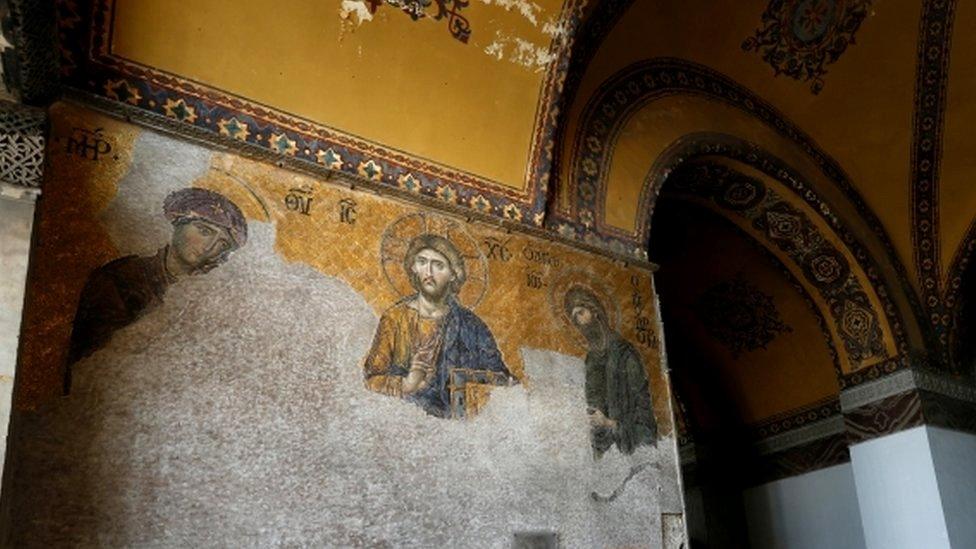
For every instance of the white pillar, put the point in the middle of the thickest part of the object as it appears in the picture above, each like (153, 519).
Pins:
(16, 217)
(815, 510)
(917, 489)
(954, 455)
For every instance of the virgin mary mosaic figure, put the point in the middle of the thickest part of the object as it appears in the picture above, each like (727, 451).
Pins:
(207, 228)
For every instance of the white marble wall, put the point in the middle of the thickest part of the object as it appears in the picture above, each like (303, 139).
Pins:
(954, 456)
(816, 510)
(898, 492)
(16, 216)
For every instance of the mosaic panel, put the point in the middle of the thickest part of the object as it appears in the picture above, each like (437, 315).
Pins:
(250, 354)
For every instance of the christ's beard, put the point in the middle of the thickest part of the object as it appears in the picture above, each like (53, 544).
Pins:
(432, 293)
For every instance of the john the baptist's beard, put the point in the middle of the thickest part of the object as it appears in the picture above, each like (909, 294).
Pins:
(594, 332)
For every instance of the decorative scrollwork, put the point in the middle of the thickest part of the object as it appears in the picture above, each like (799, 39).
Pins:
(799, 38)
(740, 316)
(457, 24)
(21, 145)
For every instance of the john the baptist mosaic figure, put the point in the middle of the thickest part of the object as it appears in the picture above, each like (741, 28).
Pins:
(617, 394)
(428, 346)
(207, 228)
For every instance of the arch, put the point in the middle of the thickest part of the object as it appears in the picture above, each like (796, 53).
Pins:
(862, 323)
(960, 301)
(631, 89)
(692, 372)
(791, 277)
(623, 94)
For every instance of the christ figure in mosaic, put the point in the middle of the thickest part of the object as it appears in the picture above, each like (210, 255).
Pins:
(428, 346)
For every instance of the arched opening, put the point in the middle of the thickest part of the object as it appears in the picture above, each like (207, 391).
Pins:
(963, 336)
(751, 358)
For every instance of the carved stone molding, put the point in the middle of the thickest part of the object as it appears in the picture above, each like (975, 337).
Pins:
(873, 391)
(804, 435)
(907, 380)
(30, 68)
(22, 131)
(907, 399)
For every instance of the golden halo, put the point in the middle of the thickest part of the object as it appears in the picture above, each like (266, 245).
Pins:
(569, 278)
(396, 241)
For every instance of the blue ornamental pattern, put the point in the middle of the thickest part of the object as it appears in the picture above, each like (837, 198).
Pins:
(799, 38)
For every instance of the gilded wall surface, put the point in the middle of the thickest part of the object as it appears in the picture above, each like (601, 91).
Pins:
(221, 352)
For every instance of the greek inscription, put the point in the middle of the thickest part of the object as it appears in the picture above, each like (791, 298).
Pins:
(497, 249)
(534, 280)
(299, 200)
(542, 257)
(645, 333)
(347, 211)
(637, 299)
(89, 144)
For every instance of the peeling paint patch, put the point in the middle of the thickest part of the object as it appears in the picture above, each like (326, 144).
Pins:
(520, 51)
(495, 49)
(555, 28)
(528, 9)
(355, 9)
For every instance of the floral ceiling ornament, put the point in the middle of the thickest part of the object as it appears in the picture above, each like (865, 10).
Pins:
(457, 24)
(740, 316)
(799, 38)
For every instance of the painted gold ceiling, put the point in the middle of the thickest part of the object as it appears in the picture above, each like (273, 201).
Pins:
(451, 99)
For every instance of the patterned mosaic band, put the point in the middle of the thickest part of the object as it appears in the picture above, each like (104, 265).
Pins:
(175, 129)
(907, 399)
(804, 435)
(797, 418)
(817, 454)
(22, 139)
(883, 417)
(931, 83)
(30, 68)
